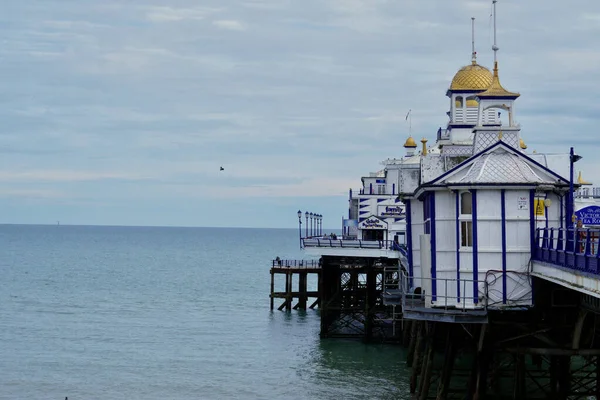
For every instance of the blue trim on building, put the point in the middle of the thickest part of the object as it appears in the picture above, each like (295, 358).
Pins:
(363, 212)
(546, 210)
(475, 250)
(503, 214)
(457, 247)
(433, 248)
(531, 220)
(393, 188)
(409, 242)
(380, 200)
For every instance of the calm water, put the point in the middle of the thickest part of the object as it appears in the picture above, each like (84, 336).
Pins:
(168, 313)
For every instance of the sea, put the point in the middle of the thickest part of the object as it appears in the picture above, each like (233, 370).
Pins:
(101, 312)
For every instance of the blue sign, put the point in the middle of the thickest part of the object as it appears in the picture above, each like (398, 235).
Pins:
(589, 215)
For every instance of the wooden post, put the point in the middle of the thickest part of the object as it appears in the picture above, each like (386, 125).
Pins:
(302, 288)
(406, 328)
(448, 365)
(414, 376)
(415, 332)
(597, 390)
(288, 297)
(427, 363)
(272, 289)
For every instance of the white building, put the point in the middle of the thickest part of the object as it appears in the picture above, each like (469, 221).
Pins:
(467, 207)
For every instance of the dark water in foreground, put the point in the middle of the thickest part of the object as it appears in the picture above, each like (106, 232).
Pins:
(168, 313)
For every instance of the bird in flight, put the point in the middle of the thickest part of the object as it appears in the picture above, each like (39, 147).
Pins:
(222, 169)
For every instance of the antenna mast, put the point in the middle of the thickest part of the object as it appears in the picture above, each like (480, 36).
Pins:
(495, 46)
(473, 53)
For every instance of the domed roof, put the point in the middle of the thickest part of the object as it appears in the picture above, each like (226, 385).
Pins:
(472, 77)
(410, 142)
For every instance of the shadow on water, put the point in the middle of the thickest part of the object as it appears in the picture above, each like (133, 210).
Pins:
(357, 370)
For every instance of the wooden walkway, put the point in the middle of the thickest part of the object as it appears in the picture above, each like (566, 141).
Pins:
(301, 269)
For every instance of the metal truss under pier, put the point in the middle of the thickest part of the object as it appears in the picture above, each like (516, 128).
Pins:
(551, 351)
(351, 298)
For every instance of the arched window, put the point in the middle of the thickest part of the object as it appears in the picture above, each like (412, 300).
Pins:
(472, 101)
(466, 219)
(458, 102)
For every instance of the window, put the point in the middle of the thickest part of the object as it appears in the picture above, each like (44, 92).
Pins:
(466, 233)
(466, 203)
(466, 219)
(380, 189)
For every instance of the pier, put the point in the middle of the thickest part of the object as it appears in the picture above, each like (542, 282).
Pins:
(349, 294)
(479, 257)
(300, 269)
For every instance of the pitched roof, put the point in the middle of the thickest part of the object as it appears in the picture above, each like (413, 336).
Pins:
(498, 164)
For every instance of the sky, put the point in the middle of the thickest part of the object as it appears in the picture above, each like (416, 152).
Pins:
(121, 112)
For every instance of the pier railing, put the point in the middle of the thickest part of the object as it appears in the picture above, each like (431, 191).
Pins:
(445, 295)
(575, 249)
(354, 243)
(296, 263)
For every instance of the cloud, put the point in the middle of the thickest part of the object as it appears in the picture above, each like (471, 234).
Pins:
(65, 176)
(229, 24)
(172, 14)
(119, 101)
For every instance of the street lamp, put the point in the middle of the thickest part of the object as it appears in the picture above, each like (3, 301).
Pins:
(312, 221)
(320, 224)
(573, 158)
(300, 227)
(306, 227)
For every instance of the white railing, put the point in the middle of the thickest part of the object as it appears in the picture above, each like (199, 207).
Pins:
(457, 295)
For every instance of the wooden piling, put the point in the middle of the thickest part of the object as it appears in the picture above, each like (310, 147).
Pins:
(289, 268)
(272, 289)
(416, 370)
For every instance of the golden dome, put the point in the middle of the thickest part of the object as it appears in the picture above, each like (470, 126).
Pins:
(410, 142)
(472, 77)
(522, 144)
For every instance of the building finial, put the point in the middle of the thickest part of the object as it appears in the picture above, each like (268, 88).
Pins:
(500, 135)
(473, 52)
(424, 150)
(495, 46)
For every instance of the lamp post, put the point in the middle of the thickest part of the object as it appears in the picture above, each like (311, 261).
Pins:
(300, 227)
(573, 158)
(317, 230)
(320, 224)
(306, 227)
(312, 222)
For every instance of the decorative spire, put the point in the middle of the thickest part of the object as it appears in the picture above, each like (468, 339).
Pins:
(581, 181)
(500, 136)
(522, 144)
(473, 52)
(495, 46)
(496, 90)
(424, 150)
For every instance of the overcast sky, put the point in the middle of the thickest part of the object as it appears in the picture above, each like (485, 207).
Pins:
(121, 112)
